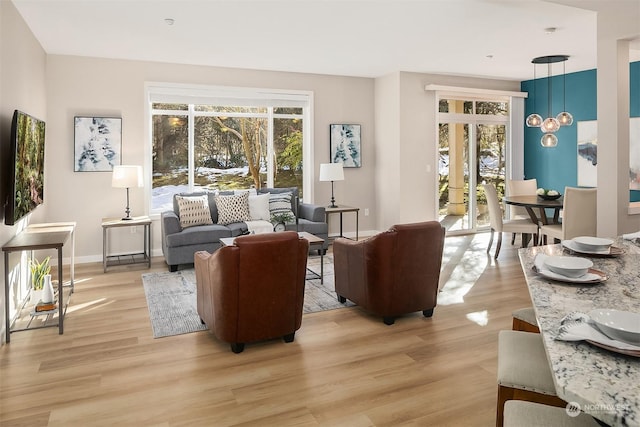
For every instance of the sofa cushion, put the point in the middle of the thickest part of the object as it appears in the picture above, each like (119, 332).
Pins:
(193, 211)
(280, 204)
(259, 207)
(317, 228)
(212, 202)
(233, 208)
(203, 234)
(279, 190)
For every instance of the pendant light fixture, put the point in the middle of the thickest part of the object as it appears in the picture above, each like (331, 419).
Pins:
(551, 124)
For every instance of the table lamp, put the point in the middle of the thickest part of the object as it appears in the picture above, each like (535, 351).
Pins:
(127, 176)
(331, 172)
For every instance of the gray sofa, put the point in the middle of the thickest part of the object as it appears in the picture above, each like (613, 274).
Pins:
(179, 245)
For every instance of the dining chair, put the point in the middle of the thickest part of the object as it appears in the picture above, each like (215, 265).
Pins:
(528, 414)
(524, 319)
(522, 187)
(523, 226)
(523, 372)
(578, 218)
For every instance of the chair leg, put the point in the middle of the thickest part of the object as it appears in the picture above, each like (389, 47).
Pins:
(388, 320)
(341, 299)
(289, 337)
(490, 241)
(427, 313)
(237, 347)
(173, 268)
(513, 238)
(498, 245)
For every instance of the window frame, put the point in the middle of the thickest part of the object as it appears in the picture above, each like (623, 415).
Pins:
(171, 93)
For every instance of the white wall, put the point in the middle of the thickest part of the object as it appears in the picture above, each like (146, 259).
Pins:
(22, 87)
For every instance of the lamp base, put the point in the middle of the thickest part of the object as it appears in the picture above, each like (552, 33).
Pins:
(127, 218)
(333, 205)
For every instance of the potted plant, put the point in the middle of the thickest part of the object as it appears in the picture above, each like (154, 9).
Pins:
(38, 271)
(280, 219)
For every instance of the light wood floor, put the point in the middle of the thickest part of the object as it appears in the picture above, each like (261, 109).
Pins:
(344, 368)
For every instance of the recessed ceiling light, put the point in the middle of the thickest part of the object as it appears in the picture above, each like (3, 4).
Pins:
(489, 56)
(550, 30)
(169, 21)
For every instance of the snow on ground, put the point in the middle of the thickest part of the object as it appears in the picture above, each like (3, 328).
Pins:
(162, 197)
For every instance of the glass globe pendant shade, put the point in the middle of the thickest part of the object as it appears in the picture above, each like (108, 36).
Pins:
(549, 140)
(550, 124)
(565, 119)
(534, 120)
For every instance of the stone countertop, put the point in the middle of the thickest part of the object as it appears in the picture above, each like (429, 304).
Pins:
(605, 384)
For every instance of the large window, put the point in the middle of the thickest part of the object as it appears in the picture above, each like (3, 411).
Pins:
(225, 144)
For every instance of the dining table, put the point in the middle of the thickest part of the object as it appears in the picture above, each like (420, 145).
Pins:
(604, 383)
(531, 202)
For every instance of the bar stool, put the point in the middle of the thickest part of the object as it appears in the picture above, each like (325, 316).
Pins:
(523, 371)
(528, 414)
(524, 319)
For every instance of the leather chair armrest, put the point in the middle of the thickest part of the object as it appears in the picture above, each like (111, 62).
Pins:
(311, 212)
(170, 223)
(349, 268)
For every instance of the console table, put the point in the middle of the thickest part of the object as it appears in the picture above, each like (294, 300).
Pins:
(340, 210)
(143, 257)
(35, 237)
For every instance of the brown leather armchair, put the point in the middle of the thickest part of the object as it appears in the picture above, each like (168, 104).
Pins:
(253, 290)
(392, 273)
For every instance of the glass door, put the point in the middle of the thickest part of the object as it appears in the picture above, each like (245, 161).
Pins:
(472, 152)
(490, 143)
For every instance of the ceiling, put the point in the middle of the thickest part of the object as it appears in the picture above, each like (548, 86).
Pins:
(365, 38)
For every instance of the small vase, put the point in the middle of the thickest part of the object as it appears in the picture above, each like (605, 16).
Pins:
(47, 289)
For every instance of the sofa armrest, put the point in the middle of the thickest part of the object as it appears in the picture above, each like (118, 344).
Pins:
(311, 212)
(170, 223)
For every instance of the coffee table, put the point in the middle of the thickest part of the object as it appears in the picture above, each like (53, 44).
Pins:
(314, 242)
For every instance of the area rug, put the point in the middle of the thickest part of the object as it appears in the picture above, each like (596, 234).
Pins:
(171, 298)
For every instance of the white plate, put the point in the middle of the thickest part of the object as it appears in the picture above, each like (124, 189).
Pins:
(568, 266)
(591, 278)
(611, 251)
(619, 325)
(589, 243)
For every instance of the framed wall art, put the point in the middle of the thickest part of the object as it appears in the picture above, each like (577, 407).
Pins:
(588, 153)
(344, 145)
(634, 154)
(97, 143)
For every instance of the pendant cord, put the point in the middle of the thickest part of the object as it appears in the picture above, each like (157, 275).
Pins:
(549, 90)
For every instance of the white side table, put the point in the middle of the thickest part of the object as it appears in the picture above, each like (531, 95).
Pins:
(143, 257)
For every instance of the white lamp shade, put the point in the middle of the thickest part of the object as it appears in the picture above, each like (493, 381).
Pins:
(127, 176)
(331, 172)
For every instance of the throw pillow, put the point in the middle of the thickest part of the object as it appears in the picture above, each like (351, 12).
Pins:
(279, 205)
(259, 207)
(193, 210)
(233, 208)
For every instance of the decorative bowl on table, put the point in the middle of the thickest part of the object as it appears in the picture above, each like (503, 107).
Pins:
(592, 244)
(548, 194)
(568, 266)
(619, 325)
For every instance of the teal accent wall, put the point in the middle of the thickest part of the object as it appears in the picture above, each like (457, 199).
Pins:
(557, 167)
